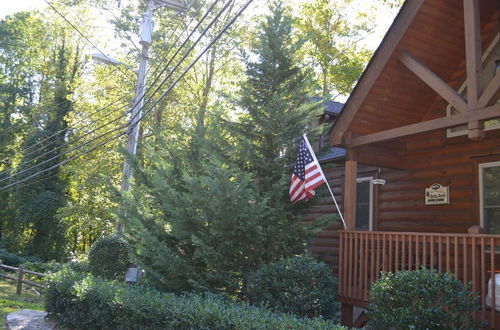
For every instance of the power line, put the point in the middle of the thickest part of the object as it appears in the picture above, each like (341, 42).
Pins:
(39, 143)
(104, 108)
(155, 103)
(138, 101)
(154, 82)
(83, 35)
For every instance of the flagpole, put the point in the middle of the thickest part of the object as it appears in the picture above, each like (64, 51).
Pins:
(326, 181)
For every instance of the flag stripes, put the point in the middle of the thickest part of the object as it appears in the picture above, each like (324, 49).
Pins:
(307, 175)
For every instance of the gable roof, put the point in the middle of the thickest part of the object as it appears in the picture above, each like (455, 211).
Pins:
(388, 95)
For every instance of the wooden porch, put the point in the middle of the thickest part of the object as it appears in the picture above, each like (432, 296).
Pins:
(365, 255)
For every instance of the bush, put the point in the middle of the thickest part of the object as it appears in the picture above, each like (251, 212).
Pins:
(421, 299)
(86, 302)
(298, 285)
(109, 258)
(15, 260)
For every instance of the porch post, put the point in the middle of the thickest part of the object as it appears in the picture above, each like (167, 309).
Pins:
(351, 173)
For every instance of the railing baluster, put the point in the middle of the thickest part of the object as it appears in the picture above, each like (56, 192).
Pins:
(474, 263)
(410, 252)
(341, 263)
(403, 252)
(424, 256)
(493, 281)
(448, 269)
(464, 263)
(417, 253)
(351, 262)
(482, 284)
(367, 270)
(377, 269)
(440, 254)
(456, 256)
(432, 266)
(396, 253)
(391, 260)
(356, 265)
(372, 258)
(384, 253)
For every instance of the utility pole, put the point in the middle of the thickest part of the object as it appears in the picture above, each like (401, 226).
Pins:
(146, 34)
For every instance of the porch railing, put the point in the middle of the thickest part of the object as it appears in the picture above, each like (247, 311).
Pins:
(365, 255)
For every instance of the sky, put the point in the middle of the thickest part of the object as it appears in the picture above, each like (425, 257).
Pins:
(8, 7)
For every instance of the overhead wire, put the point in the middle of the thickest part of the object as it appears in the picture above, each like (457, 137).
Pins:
(85, 37)
(104, 108)
(219, 35)
(131, 120)
(39, 143)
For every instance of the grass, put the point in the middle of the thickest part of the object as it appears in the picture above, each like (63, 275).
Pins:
(10, 302)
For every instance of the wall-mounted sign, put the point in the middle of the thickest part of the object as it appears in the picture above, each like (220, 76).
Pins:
(436, 194)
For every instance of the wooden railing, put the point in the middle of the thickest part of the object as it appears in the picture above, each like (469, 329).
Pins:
(20, 271)
(365, 255)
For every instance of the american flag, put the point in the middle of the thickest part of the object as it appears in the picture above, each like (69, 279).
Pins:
(307, 174)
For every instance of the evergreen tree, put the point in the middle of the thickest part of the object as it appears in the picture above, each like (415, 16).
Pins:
(207, 225)
(274, 100)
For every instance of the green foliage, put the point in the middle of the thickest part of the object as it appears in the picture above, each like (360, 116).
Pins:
(421, 299)
(204, 220)
(331, 43)
(274, 101)
(12, 259)
(109, 257)
(206, 231)
(91, 303)
(297, 285)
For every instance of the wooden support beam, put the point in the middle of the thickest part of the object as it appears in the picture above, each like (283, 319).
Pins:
(434, 82)
(492, 93)
(430, 125)
(351, 174)
(474, 66)
(374, 68)
(347, 315)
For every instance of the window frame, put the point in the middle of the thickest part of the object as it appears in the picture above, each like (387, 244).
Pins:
(371, 200)
(481, 186)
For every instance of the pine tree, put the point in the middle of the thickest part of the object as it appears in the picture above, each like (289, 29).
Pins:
(274, 100)
(206, 225)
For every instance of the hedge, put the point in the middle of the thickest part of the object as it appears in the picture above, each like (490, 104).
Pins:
(298, 285)
(421, 299)
(81, 301)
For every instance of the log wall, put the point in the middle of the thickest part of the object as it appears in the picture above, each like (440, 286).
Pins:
(399, 204)
(434, 158)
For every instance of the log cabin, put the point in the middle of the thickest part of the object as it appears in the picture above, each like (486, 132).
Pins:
(420, 182)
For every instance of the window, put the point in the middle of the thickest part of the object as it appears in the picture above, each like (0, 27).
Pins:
(490, 60)
(489, 196)
(364, 203)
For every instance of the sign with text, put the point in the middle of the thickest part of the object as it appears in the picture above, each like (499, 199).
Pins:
(436, 194)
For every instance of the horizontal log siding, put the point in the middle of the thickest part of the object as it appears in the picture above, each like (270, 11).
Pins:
(434, 158)
(325, 246)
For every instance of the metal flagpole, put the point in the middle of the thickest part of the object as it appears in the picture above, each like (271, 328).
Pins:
(326, 181)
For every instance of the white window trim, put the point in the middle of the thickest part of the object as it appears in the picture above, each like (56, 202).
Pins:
(370, 179)
(484, 58)
(481, 185)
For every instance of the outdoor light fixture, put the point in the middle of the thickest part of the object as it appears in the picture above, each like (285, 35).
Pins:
(99, 58)
(378, 181)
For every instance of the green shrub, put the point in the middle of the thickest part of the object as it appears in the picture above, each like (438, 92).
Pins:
(86, 302)
(298, 285)
(15, 260)
(421, 299)
(109, 258)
